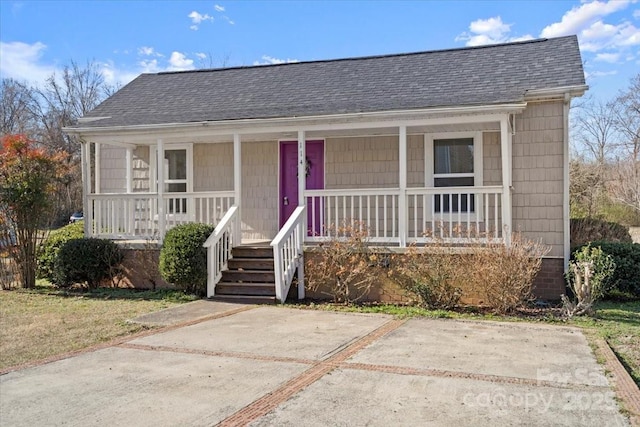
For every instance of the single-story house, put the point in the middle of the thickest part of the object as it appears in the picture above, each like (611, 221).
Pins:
(419, 146)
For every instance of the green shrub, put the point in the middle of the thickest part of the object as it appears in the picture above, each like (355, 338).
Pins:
(585, 230)
(183, 259)
(49, 249)
(626, 277)
(587, 276)
(86, 261)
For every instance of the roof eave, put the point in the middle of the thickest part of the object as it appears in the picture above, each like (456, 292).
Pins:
(555, 93)
(242, 124)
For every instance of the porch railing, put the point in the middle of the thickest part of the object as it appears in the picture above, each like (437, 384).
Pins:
(288, 254)
(451, 214)
(454, 214)
(331, 209)
(219, 245)
(136, 215)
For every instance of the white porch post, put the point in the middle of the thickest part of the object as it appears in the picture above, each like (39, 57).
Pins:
(505, 150)
(160, 189)
(96, 184)
(302, 165)
(302, 178)
(85, 154)
(129, 172)
(237, 186)
(130, 204)
(402, 199)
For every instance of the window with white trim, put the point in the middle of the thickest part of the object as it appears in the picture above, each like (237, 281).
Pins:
(454, 160)
(178, 174)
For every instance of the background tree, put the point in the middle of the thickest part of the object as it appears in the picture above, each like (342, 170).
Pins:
(625, 185)
(605, 164)
(41, 113)
(17, 108)
(27, 178)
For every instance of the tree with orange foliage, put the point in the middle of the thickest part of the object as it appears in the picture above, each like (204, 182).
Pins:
(28, 175)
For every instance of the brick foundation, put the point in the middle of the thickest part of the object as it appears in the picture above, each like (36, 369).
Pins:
(140, 270)
(549, 284)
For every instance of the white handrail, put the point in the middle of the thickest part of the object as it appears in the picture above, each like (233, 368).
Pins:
(219, 245)
(288, 254)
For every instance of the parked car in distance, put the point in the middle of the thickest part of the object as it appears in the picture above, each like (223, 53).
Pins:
(76, 216)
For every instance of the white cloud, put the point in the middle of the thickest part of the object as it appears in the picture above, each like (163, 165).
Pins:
(581, 16)
(489, 31)
(636, 14)
(608, 57)
(226, 18)
(492, 27)
(269, 60)
(149, 66)
(197, 18)
(114, 76)
(179, 62)
(201, 55)
(147, 51)
(22, 61)
(218, 8)
(600, 35)
(594, 34)
(596, 74)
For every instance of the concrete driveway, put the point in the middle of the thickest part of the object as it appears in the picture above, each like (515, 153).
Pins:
(273, 366)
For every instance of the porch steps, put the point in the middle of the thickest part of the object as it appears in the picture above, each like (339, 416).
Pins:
(250, 278)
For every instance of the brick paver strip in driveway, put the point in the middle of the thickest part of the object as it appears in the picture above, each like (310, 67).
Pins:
(273, 331)
(440, 372)
(129, 387)
(279, 366)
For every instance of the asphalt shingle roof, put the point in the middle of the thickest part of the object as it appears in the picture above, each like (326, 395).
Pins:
(457, 77)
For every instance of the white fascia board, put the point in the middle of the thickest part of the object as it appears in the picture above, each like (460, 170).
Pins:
(555, 93)
(450, 115)
(92, 119)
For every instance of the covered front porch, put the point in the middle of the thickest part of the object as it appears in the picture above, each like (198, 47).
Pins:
(409, 178)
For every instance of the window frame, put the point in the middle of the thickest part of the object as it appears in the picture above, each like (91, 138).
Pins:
(477, 175)
(153, 176)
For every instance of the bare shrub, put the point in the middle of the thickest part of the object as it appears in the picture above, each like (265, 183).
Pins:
(434, 277)
(345, 267)
(503, 275)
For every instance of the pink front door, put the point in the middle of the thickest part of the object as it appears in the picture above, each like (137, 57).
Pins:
(289, 178)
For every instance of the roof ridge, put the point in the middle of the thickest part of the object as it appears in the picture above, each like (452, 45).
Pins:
(361, 58)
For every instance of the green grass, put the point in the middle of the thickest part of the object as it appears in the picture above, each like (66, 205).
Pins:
(617, 322)
(45, 321)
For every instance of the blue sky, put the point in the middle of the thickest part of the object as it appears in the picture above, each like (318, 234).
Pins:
(127, 38)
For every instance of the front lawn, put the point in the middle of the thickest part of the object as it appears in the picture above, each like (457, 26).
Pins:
(43, 322)
(619, 324)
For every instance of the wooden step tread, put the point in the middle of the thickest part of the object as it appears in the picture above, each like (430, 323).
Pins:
(248, 289)
(251, 264)
(248, 276)
(252, 252)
